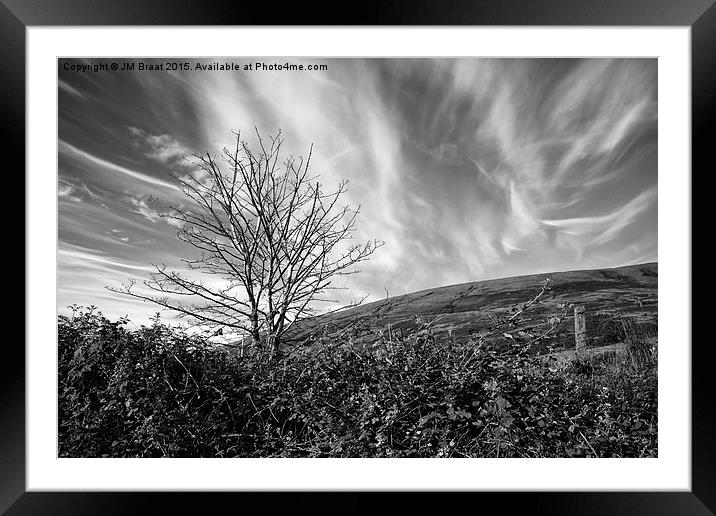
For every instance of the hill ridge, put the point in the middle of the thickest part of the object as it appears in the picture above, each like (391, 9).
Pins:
(465, 307)
(500, 279)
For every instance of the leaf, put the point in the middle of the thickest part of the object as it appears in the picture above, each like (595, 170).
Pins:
(502, 403)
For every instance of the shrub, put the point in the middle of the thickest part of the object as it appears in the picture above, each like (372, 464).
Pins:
(156, 391)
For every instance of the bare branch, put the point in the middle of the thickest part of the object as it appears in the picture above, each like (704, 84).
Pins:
(267, 230)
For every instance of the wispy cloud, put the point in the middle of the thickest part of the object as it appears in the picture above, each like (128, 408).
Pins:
(604, 228)
(66, 148)
(142, 208)
(163, 147)
(74, 255)
(69, 89)
(66, 191)
(76, 191)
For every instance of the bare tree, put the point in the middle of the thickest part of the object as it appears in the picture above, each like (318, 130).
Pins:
(268, 231)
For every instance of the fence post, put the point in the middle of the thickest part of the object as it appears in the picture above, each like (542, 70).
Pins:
(580, 327)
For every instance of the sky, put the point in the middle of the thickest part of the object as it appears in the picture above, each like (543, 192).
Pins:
(468, 169)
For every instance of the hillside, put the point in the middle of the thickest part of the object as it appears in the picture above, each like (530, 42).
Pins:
(459, 310)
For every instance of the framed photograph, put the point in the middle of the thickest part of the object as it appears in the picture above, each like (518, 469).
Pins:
(427, 251)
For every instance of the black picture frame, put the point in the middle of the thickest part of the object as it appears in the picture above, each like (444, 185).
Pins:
(17, 15)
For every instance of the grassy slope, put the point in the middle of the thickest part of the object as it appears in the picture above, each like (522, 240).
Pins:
(466, 307)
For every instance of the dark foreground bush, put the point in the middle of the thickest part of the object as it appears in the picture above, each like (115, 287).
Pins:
(155, 392)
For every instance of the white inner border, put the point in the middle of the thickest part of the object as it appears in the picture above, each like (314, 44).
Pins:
(672, 468)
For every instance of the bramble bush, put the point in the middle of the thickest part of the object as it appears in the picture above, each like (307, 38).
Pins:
(158, 392)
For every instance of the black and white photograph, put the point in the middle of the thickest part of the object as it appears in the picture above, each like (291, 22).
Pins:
(264, 257)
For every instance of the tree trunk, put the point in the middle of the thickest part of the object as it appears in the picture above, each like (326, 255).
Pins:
(255, 336)
(272, 342)
(277, 346)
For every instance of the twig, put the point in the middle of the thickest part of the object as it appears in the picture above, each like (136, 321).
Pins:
(582, 435)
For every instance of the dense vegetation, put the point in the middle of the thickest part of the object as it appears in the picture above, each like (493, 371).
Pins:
(158, 392)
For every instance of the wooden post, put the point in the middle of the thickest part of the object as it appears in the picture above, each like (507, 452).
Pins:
(580, 327)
